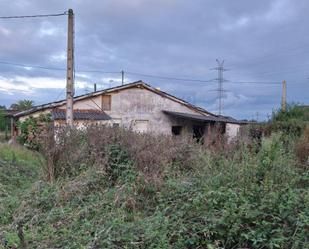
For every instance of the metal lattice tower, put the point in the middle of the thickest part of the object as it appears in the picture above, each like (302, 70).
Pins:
(220, 68)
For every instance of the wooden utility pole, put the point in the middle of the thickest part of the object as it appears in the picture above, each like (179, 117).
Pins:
(283, 100)
(70, 69)
(122, 77)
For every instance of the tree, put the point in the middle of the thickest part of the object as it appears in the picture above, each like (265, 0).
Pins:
(2, 120)
(22, 105)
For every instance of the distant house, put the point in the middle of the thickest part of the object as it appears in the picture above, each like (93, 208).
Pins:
(142, 108)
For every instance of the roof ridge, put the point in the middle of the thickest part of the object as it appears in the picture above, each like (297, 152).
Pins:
(135, 83)
(78, 110)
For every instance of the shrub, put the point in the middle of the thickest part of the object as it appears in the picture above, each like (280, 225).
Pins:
(302, 148)
(290, 122)
(118, 164)
(114, 188)
(32, 129)
(75, 150)
(104, 198)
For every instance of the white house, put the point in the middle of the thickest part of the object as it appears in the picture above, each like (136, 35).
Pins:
(142, 108)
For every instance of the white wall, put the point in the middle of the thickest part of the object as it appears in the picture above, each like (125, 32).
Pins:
(140, 109)
(135, 106)
(232, 131)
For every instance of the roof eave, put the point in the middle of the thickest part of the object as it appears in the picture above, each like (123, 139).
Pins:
(126, 86)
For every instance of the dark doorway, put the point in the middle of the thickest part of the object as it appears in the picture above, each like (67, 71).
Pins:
(176, 130)
(222, 128)
(198, 132)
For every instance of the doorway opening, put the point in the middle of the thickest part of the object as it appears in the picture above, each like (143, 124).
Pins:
(198, 132)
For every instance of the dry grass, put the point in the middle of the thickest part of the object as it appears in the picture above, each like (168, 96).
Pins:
(76, 149)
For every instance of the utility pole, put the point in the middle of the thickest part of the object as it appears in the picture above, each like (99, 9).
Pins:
(70, 69)
(122, 77)
(283, 100)
(220, 80)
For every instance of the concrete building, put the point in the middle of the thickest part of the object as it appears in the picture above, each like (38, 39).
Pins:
(142, 108)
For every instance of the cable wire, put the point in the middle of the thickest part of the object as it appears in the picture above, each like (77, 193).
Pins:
(31, 66)
(34, 16)
(60, 93)
(53, 68)
(97, 71)
(168, 78)
(278, 82)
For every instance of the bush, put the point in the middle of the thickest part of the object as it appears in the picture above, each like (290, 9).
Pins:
(302, 148)
(114, 188)
(226, 200)
(118, 164)
(75, 150)
(291, 122)
(32, 129)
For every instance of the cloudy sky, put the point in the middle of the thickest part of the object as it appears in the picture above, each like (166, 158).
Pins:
(262, 42)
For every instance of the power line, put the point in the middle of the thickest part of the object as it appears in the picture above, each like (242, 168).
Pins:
(31, 66)
(97, 71)
(168, 78)
(34, 16)
(144, 75)
(60, 93)
(263, 82)
(51, 68)
(255, 82)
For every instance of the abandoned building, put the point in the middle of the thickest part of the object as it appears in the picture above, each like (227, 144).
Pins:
(140, 107)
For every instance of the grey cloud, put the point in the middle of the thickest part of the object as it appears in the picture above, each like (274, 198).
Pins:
(260, 41)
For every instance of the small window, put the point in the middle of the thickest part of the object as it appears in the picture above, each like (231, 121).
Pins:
(176, 130)
(140, 126)
(106, 102)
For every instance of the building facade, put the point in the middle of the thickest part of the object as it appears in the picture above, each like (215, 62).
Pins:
(142, 108)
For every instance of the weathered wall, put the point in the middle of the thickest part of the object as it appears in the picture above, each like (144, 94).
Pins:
(232, 131)
(138, 109)
(89, 103)
(141, 110)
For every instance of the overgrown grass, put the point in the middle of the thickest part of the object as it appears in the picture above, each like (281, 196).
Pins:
(4, 136)
(235, 199)
(112, 188)
(19, 169)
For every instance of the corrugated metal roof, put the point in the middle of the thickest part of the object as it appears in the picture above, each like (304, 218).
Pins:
(60, 114)
(203, 118)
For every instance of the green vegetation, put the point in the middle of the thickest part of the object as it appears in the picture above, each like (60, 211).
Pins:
(19, 169)
(4, 125)
(22, 105)
(291, 122)
(31, 130)
(114, 189)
